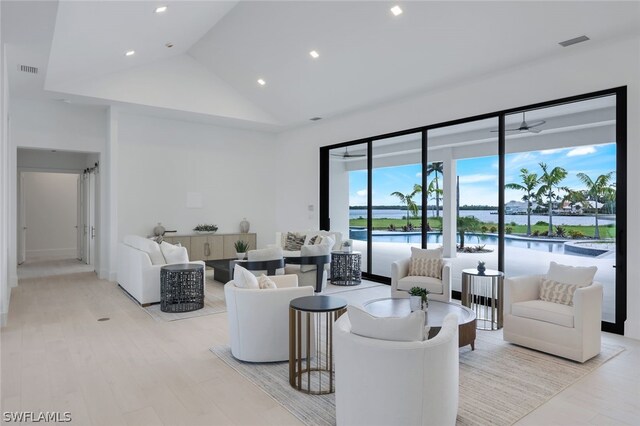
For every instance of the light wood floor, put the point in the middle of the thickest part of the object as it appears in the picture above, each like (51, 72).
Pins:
(133, 370)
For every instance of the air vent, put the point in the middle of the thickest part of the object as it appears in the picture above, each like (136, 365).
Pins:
(27, 68)
(572, 41)
(315, 118)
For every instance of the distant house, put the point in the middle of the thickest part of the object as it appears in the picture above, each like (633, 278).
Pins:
(517, 207)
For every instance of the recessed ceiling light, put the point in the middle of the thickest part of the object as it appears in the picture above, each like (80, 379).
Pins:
(161, 9)
(169, 45)
(315, 118)
(396, 10)
(261, 82)
(130, 53)
(314, 54)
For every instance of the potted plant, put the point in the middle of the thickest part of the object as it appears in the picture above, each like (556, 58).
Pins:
(206, 228)
(346, 246)
(481, 267)
(418, 299)
(241, 248)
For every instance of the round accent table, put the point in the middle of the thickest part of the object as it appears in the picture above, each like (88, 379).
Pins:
(181, 287)
(483, 292)
(311, 321)
(345, 267)
(399, 307)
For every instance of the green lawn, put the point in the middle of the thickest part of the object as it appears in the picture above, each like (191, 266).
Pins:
(606, 231)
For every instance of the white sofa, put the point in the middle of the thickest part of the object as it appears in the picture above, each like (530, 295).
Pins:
(381, 382)
(571, 332)
(259, 319)
(139, 263)
(281, 239)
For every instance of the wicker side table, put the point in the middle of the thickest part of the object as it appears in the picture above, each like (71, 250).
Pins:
(346, 268)
(181, 287)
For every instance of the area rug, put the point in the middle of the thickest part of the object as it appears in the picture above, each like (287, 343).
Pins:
(499, 383)
(212, 305)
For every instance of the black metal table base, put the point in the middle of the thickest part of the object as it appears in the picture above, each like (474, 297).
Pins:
(345, 268)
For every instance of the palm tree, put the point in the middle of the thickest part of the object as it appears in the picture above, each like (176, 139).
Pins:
(435, 168)
(407, 200)
(529, 183)
(550, 185)
(599, 189)
(466, 224)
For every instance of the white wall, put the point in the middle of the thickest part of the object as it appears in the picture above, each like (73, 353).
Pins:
(161, 161)
(51, 214)
(576, 70)
(45, 160)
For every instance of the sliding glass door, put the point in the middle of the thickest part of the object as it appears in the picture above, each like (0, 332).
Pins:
(516, 189)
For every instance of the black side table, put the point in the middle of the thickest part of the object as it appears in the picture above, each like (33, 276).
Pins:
(181, 287)
(345, 268)
(305, 315)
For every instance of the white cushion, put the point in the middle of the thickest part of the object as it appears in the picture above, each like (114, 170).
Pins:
(174, 254)
(554, 313)
(270, 253)
(265, 282)
(322, 249)
(432, 285)
(426, 253)
(148, 246)
(243, 278)
(579, 275)
(403, 329)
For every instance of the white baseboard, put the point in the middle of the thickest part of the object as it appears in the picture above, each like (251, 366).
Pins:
(632, 329)
(13, 281)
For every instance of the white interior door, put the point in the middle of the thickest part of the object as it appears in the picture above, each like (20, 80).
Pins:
(22, 222)
(86, 231)
(92, 217)
(79, 219)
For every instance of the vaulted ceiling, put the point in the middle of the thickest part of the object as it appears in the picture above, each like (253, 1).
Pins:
(367, 56)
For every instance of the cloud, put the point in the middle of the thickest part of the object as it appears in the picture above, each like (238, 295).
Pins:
(550, 151)
(362, 192)
(583, 150)
(419, 174)
(468, 179)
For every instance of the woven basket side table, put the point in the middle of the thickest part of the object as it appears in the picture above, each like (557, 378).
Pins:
(346, 268)
(181, 287)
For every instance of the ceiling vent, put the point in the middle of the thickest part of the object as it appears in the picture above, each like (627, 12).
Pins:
(27, 68)
(572, 41)
(315, 118)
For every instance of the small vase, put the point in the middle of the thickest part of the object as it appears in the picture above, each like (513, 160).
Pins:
(415, 303)
(244, 226)
(481, 269)
(240, 256)
(159, 230)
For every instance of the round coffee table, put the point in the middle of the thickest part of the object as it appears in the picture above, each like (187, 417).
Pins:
(399, 307)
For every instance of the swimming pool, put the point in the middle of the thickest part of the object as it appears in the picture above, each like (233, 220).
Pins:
(471, 239)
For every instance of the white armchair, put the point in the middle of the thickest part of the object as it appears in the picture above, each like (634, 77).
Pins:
(401, 281)
(381, 382)
(568, 331)
(259, 319)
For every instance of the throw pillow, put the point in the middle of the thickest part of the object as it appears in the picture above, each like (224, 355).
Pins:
(426, 253)
(265, 282)
(243, 278)
(425, 267)
(174, 254)
(578, 275)
(294, 241)
(312, 240)
(403, 329)
(553, 291)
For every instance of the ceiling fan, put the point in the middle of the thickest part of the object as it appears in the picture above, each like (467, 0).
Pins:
(346, 154)
(526, 127)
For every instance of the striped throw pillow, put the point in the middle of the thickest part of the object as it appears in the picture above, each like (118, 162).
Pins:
(553, 291)
(294, 241)
(425, 267)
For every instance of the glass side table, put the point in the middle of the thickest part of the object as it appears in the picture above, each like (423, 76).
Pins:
(346, 268)
(484, 294)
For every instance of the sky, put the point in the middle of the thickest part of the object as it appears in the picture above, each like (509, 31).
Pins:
(479, 176)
